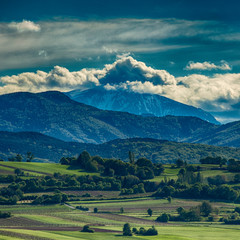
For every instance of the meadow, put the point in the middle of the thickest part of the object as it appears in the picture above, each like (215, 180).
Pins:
(64, 221)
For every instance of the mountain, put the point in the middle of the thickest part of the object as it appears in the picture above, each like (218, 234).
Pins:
(50, 149)
(224, 135)
(137, 103)
(54, 114)
(43, 147)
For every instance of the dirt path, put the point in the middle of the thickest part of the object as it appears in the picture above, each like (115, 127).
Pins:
(68, 205)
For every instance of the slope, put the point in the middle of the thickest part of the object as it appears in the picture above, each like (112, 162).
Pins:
(137, 103)
(56, 115)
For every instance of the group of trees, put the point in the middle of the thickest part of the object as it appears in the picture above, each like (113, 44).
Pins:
(198, 190)
(193, 214)
(19, 158)
(233, 218)
(233, 165)
(18, 185)
(5, 214)
(142, 168)
(189, 175)
(214, 160)
(51, 199)
(127, 231)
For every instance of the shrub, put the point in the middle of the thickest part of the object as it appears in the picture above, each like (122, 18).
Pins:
(127, 230)
(86, 228)
(163, 218)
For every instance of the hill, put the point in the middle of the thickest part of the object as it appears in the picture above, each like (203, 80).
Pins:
(225, 135)
(49, 149)
(137, 103)
(56, 115)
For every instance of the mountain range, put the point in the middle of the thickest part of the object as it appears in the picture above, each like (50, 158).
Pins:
(49, 149)
(56, 115)
(137, 103)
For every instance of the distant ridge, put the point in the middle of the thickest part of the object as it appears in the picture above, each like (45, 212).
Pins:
(48, 149)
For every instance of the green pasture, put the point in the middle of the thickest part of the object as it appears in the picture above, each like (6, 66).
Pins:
(171, 173)
(165, 232)
(47, 168)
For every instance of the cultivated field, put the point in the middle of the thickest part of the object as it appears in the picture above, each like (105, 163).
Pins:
(65, 222)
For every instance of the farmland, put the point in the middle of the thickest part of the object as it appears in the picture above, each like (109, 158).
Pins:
(65, 220)
(62, 222)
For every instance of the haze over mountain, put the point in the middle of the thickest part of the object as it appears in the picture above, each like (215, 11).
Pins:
(137, 103)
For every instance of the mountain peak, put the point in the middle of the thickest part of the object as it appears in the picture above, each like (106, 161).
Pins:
(144, 104)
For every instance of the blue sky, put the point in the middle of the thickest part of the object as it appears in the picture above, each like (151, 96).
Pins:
(196, 42)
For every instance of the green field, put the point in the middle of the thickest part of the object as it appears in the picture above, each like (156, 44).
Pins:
(37, 169)
(64, 221)
(44, 168)
(61, 222)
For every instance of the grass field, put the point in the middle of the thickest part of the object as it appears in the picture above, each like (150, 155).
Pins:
(171, 173)
(61, 222)
(43, 168)
(37, 169)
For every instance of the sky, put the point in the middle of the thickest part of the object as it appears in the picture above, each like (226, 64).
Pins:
(186, 50)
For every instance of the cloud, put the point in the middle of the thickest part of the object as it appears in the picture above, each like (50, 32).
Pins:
(216, 93)
(59, 78)
(129, 69)
(67, 40)
(207, 66)
(24, 26)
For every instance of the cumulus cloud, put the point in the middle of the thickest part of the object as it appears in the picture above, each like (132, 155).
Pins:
(219, 92)
(25, 26)
(129, 69)
(207, 66)
(59, 78)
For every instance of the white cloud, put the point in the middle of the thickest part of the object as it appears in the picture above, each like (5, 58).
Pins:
(219, 92)
(129, 69)
(207, 66)
(25, 26)
(59, 78)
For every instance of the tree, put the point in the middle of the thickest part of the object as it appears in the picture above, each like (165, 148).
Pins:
(151, 231)
(144, 162)
(121, 210)
(206, 208)
(18, 171)
(64, 161)
(127, 230)
(150, 212)
(163, 218)
(131, 157)
(29, 157)
(237, 178)
(86, 228)
(95, 210)
(83, 159)
(169, 199)
(19, 157)
(179, 163)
